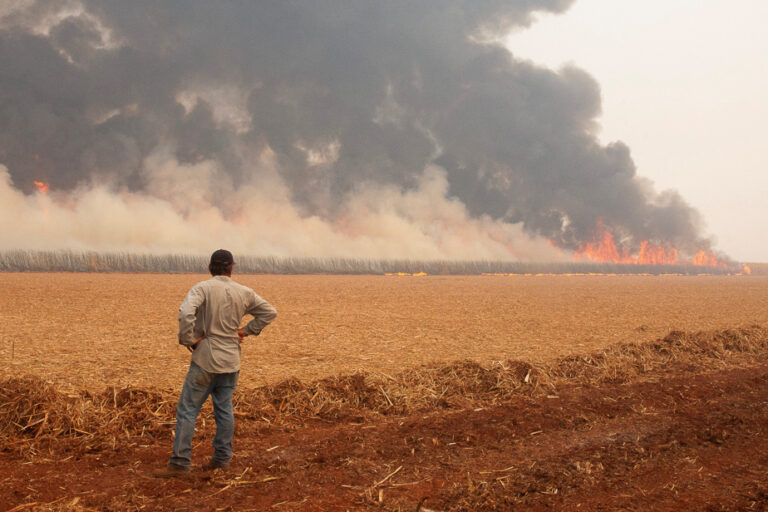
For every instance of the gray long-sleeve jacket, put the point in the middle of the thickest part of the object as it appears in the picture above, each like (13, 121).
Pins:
(213, 310)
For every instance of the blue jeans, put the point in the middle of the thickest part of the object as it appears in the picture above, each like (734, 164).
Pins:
(197, 386)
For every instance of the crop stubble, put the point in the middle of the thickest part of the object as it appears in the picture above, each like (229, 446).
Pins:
(92, 330)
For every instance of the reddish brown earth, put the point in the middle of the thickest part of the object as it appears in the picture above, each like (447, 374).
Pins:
(678, 423)
(672, 440)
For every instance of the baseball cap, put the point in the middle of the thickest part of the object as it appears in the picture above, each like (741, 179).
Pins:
(222, 257)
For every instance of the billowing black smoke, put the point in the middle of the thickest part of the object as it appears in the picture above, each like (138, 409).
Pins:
(337, 95)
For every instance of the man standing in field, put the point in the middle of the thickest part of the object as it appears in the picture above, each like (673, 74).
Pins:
(209, 326)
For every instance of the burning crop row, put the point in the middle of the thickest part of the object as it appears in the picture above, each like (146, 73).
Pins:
(607, 244)
(604, 249)
(88, 261)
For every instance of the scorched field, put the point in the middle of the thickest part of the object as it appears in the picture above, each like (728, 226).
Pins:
(396, 393)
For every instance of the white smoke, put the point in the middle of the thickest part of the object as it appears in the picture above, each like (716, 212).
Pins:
(180, 217)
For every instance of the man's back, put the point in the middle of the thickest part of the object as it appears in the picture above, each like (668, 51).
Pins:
(213, 310)
(209, 320)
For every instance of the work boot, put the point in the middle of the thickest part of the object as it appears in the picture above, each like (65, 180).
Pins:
(215, 464)
(171, 471)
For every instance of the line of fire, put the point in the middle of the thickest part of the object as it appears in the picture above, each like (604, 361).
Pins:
(599, 256)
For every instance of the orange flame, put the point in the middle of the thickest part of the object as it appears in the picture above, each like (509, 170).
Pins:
(603, 249)
(42, 186)
(704, 259)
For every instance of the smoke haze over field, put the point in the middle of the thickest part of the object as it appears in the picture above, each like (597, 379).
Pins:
(318, 128)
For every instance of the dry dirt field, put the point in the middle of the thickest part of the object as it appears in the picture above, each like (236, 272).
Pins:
(413, 394)
(120, 329)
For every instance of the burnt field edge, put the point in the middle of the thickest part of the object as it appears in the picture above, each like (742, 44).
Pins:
(125, 262)
(35, 415)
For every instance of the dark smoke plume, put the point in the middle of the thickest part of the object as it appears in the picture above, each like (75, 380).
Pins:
(351, 114)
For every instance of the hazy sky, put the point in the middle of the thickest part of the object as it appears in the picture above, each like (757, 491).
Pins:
(683, 84)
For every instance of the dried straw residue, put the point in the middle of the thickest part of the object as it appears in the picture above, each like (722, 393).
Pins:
(696, 351)
(467, 384)
(32, 411)
(350, 397)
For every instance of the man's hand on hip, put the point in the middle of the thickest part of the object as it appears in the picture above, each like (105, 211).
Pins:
(241, 334)
(192, 348)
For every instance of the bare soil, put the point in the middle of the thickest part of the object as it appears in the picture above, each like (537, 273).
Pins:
(675, 442)
(677, 424)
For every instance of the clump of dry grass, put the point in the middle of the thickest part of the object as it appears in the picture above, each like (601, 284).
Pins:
(467, 384)
(350, 397)
(624, 362)
(32, 411)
